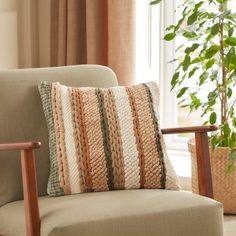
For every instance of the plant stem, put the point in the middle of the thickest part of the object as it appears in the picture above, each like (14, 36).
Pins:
(224, 99)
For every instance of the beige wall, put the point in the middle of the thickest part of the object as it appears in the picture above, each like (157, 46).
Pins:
(24, 33)
(8, 34)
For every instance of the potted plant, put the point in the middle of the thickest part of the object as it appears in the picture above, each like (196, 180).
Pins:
(205, 81)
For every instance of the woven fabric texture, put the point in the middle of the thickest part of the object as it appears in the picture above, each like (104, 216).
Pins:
(224, 185)
(105, 139)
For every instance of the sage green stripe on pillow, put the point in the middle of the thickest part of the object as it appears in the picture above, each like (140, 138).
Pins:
(106, 139)
(172, 181)
(53, 187)
(157, 138)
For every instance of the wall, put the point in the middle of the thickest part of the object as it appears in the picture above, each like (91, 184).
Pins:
(24, 33)
(8, 34)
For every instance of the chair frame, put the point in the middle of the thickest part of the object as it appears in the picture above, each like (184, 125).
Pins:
(32, 215)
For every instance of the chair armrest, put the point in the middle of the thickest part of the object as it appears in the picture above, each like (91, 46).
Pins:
(202, 153)
(192, 129)
(19, 146)
(29, 184)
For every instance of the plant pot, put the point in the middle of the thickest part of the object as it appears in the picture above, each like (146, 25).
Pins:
(224, 185)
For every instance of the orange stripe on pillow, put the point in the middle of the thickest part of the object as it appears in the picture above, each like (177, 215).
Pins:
(95, 140)
(151, 165)
(81, 136)
(136, 126)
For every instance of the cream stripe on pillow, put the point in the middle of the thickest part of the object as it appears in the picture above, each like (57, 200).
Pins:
(172, 181)
(130, 152)
(70, 144)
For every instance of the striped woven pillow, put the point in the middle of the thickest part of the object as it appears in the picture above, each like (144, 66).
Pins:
(105, 139)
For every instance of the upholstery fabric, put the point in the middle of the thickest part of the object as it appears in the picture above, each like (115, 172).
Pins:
(120, 213)
(106, 139)
(22, 118)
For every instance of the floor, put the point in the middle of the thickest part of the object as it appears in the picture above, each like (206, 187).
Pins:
(230, 225)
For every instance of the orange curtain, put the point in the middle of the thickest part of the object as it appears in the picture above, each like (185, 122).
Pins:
(95, 32)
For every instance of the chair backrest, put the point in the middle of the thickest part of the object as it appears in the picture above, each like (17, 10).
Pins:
(22, 118)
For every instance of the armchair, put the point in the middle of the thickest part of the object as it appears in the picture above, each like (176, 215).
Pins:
(149, 209)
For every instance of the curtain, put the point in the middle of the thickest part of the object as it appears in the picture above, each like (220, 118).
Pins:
(95, 32)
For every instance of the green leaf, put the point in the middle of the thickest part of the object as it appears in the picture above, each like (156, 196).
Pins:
(192, 18)
(182, 92)
(220, 1)
(170, 36)
(189, 35)
(226, 129)
(210, 63)
(230, 168)
(192, 72)
(174, 79)
(202, 78)
(210, 52)
(215, 29)
(197, 6)
(170, 27)
(213, 118)
(231, 31)
(231, 41)
(197, 60)
(234, 122)
(196, 103)
(186, 63)
(233, 59)
(155, 2)
(232, 155)
(192, 48)
(229, 92)
(214, 75)
(212, 97)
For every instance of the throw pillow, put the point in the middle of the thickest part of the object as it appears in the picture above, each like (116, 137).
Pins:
(105, 139)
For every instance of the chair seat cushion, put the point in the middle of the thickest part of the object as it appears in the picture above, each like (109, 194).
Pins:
(120, 213)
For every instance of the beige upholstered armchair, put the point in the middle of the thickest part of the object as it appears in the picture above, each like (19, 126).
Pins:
(115, 213)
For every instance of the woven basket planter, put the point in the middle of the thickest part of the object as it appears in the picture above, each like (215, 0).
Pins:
(224, 185)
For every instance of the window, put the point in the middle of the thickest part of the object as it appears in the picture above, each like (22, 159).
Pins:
(147, 42)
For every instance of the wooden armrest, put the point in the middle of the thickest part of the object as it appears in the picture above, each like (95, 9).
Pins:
(19, 146)
(29, 184)
(202, 153)
(192, 129)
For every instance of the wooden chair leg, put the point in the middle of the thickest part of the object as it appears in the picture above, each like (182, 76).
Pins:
(203, 164)
(30, 193)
